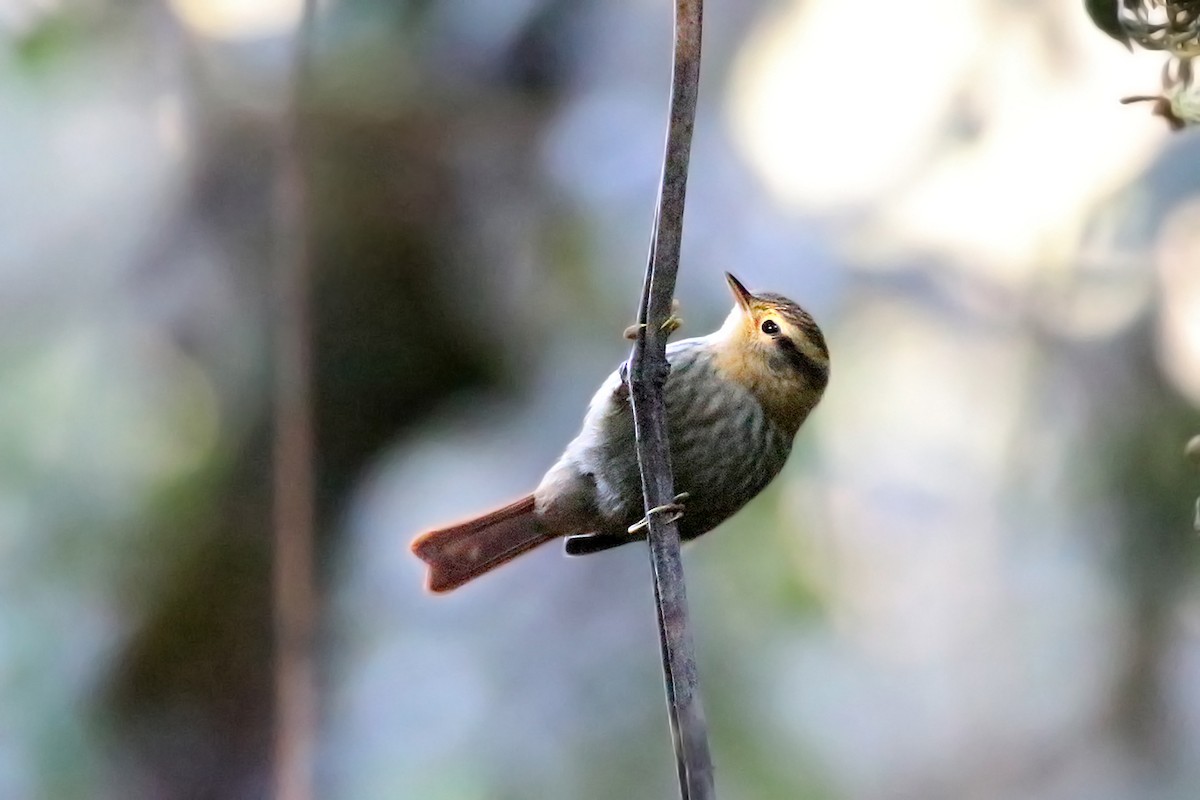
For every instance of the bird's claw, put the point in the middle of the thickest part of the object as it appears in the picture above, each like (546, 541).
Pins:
(621, 393)
(669, 326)
(673, 322)
(674, 508)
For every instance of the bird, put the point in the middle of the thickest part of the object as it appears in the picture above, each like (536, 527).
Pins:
(735, 400)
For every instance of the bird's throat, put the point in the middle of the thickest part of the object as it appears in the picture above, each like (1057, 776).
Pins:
(787, 396)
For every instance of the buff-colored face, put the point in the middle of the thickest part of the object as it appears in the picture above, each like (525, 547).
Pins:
(774, 347)
(777, 327)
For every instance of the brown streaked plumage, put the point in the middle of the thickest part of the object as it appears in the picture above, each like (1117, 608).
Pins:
(735, 400)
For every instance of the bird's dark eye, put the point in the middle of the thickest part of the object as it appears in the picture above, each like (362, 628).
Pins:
(770, 327)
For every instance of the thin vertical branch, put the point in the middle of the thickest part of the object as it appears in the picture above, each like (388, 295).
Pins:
(648, 370)
(293, 513)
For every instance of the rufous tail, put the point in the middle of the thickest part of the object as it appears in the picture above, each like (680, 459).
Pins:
(465, 551)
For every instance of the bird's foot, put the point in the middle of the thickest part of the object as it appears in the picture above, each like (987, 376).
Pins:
(673, 322)
(621, 393)
(674, 508)
(669, 326)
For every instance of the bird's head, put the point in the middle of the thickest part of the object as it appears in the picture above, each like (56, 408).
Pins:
(775, 348)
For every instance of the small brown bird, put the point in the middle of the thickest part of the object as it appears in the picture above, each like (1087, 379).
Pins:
(735, 399)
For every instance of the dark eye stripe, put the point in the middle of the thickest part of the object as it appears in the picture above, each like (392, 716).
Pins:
(816, 372)
(798, 317)
(815, 336)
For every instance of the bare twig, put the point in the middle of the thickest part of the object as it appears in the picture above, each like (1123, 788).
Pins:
(294, 594)
(648, 371)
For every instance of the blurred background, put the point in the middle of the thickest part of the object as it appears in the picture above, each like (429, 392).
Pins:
(976, 578)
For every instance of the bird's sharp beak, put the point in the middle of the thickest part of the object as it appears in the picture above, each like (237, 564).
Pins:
(740, 293)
